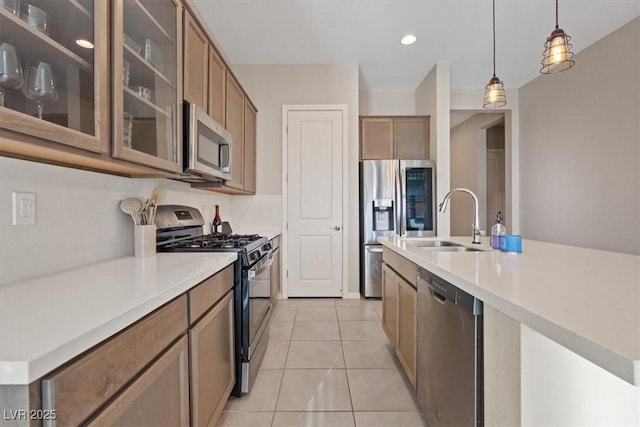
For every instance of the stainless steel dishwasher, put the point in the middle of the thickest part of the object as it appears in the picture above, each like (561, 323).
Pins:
(449, 376)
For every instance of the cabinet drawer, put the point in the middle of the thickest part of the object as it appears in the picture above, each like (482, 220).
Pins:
(160, 396)
(79, 388)
(203, 296)
(407, 269)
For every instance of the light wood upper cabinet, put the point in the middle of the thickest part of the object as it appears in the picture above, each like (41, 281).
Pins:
(158, 397)
(75, 106)
(147, 82)
(234, 123)
(411, 138)
(196, 63)
(217, 79)
(249, 146)
(376, 138)
(405, 138)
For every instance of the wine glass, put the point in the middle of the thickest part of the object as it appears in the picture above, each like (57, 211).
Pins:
(39, 85)
(10, 70)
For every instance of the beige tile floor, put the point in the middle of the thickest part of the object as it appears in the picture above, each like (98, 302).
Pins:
(328, 364)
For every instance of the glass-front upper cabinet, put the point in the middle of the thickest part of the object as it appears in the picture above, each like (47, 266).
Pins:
(147, 79)
(53, 72)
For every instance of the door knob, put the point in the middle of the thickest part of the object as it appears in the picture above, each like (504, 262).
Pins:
(337, 228)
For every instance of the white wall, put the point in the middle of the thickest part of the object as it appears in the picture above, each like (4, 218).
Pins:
(580, 141)
(471, 99)
(387, 103)
(271, 87)
(78, 217)
(560, 388)
(432, 98)
(468, 170)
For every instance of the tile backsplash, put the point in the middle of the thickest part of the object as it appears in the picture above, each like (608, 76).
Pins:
(78, 218)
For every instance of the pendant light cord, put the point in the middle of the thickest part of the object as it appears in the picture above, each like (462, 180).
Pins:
(556, 14)
(494, 37)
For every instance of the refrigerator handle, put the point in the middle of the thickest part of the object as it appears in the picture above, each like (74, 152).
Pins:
(400, 226)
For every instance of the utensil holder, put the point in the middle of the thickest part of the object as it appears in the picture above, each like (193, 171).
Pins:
(144, 240)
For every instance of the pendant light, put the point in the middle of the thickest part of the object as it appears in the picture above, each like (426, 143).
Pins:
(494, 96)
(557, 51)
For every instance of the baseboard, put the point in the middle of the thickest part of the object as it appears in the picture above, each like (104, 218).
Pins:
(351, 295)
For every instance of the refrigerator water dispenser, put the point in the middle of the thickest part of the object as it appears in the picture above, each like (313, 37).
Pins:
(382, 214)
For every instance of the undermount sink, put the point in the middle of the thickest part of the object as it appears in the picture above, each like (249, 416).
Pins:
(436, 244)
(453, 248)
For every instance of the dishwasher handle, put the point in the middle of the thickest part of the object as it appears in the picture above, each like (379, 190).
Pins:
(437, 296)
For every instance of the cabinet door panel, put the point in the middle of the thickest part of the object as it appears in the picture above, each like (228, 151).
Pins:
(75, 102)
(234, 123)
(249, 147)
(389, 303)
(217, 71)
(212, 362)
(159, 397)
(147, 83)
(411, 138)
(196, 54)
(407, 339)
(376, 140)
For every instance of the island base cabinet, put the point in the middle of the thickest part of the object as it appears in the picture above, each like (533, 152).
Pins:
(389, 303)
(212, 362)
(159, 397)
(406, 339)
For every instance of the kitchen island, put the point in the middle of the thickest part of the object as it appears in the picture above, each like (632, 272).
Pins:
(560, 297)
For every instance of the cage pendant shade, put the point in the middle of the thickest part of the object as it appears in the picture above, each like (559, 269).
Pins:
(557, 55)
(494, 96)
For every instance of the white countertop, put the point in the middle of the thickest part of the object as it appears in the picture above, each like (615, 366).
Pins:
(586, 300)
(48, 320)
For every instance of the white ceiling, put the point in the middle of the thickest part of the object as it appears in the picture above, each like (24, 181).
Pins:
(368, 32)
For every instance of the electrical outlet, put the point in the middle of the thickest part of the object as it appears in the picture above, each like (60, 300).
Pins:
(24, 208)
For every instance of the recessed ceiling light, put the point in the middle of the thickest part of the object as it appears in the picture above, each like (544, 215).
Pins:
(408, 39)
(84, 43)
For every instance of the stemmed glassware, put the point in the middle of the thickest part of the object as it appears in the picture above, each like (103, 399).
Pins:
(10, 70)
(39, 85)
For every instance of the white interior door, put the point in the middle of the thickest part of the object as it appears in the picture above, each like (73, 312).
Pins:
(315, 203)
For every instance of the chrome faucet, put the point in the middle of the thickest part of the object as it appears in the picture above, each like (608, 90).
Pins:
(476, 218)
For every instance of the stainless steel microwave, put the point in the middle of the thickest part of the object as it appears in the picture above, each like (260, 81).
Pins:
(207, 146)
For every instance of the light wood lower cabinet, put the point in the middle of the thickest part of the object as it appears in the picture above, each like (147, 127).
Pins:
(212, 362)
(400, 309)
(158, 397)
(389, 303)
(406, 340)
(78, 389)
(174, 367)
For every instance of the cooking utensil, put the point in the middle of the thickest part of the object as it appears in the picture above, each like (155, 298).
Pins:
(133, 207)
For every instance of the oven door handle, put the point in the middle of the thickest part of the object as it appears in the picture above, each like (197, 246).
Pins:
(261, 267)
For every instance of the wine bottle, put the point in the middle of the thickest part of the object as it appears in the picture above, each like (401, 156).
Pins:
(216, 220)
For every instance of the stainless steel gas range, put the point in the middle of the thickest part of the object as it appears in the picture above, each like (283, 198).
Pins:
(179, 229)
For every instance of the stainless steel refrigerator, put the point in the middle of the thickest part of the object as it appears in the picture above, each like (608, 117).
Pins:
(396, 197)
